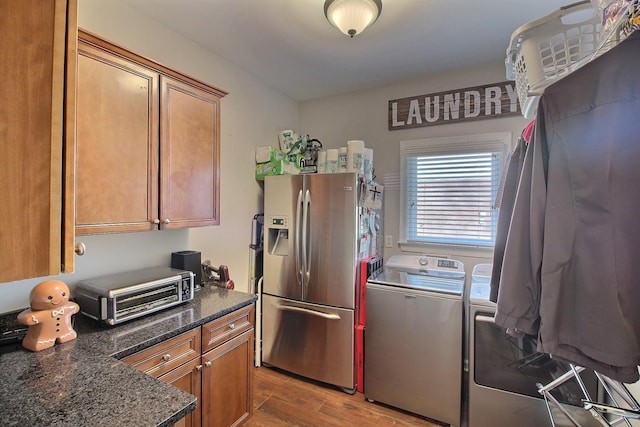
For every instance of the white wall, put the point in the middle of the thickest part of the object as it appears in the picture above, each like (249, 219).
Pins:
(363, 115)
(251, 115)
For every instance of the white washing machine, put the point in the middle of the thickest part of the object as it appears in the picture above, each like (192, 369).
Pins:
(413, 336)
(504, 371)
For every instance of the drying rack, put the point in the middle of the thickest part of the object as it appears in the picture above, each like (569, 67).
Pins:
(545, 50)
(607, 414)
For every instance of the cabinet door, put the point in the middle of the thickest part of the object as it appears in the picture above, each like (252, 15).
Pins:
(117, 143)
(187, 378)
(190, 155)
(37, 41)
(227, 377)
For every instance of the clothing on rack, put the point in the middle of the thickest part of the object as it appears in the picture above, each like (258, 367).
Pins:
(504, 201)
(571, 267)
(524, 139)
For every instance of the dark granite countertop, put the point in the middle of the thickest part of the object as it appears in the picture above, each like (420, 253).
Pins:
(81, 382)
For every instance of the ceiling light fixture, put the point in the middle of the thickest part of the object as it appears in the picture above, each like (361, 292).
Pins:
(352, 16)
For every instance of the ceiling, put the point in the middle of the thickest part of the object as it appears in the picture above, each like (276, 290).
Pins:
(289, 44)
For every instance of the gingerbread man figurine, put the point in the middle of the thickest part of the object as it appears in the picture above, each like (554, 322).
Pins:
(49, 318)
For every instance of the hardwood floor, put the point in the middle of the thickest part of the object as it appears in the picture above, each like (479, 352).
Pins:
(283, 399)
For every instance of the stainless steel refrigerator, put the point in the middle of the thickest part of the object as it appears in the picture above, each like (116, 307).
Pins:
(317, 228)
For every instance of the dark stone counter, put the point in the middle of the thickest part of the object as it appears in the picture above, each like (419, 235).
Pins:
(81, 382)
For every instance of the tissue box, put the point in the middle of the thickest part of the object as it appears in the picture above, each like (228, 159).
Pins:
(276, 167)
(268, 168)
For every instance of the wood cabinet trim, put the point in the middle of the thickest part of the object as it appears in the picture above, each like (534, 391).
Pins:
(57, 133)
(100, 43)
(68, 165)
(218, 331)
(180, 349)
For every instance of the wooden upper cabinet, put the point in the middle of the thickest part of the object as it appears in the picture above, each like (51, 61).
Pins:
(117, 152)
(148, 144)
(37, 130)
(189, 154)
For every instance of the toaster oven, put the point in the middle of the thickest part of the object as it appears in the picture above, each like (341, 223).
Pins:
(120, 297)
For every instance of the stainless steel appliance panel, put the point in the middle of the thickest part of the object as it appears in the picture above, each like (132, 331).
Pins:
(504, 372)
(119, 297)
(282, 212)
(312, 234)
(309, 339)
(413, 351)
(332, 230)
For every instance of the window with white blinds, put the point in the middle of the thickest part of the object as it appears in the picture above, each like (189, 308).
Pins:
(449, 188)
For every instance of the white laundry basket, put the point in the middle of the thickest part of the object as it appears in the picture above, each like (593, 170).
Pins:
(546, 49)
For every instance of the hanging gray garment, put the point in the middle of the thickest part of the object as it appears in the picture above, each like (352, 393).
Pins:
(519, 290)
(505, 204)
(572, 262)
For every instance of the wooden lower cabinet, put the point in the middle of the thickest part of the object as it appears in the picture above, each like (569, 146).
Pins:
(227, 382)
(214, 363)
(187, 378)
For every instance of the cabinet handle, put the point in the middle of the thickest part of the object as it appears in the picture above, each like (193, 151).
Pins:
(166, 221)
(156, 221)
(80, 248)
(166, 357)
(208, 364)
(198, 367)
(232, 326)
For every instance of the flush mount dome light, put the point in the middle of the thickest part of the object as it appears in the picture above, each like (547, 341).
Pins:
(352, 16)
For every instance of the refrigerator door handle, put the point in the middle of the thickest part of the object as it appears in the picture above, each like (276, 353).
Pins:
(306, 237)
(296, 243)
(330, 316)
(485, 319)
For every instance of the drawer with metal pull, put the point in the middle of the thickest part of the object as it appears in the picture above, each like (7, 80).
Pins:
(161, 358)
(227, 327)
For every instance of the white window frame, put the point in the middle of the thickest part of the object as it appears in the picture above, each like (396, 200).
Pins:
(498, 141)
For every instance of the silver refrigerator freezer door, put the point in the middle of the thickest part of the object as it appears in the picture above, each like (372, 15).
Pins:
(310, 340)
(282, 265)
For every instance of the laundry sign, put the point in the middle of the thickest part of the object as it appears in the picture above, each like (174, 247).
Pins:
(471, 103)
